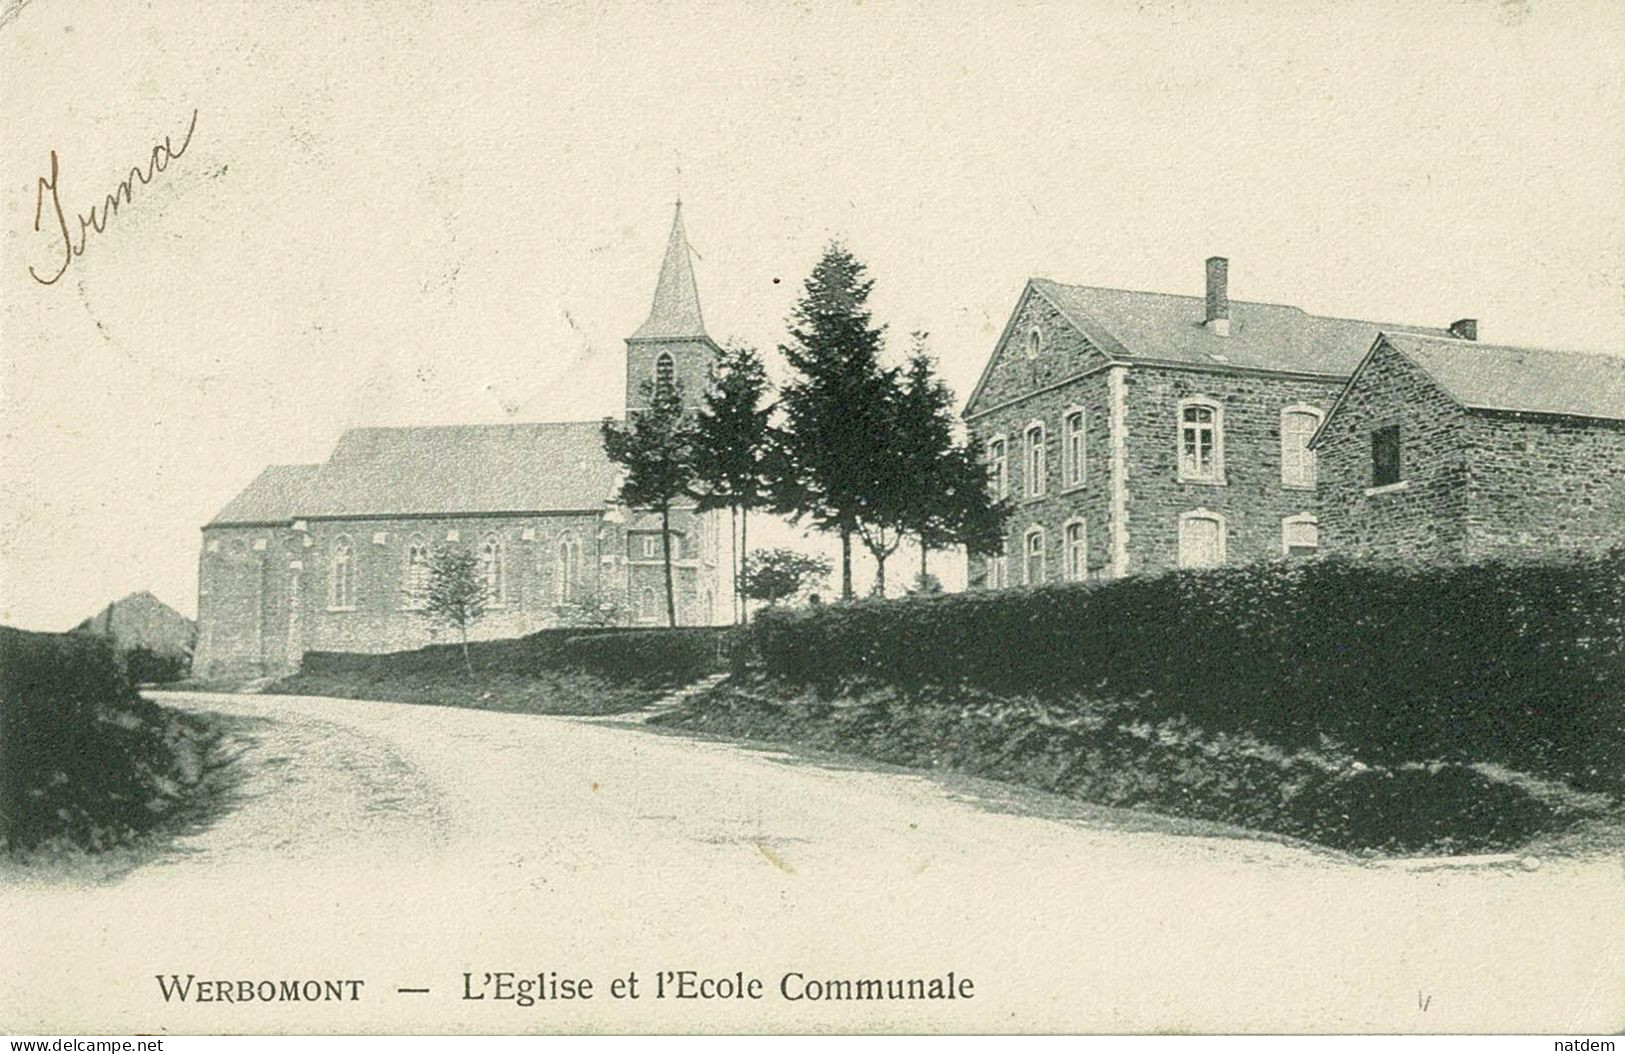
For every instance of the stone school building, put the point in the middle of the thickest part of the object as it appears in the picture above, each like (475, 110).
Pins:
(1139, 432)
(331, 557)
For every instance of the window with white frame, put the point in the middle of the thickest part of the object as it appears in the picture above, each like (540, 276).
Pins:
(1300, 535)
(415, 580)
(998, 460)
(1074, 454)
(1076, 551)
(1035, 460)
(341, 575)
(567, 569)
(1032, 557)
(1298, 425)
(493, 570)
(1201, 539)
(1201, 441)
(998, 568)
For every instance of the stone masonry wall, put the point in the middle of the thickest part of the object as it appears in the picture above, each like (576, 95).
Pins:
(264, 592)
(691, 365)
(1543, 485)
(1021, 390)
(1252, 498)
(1425, 516)
(1063, 353)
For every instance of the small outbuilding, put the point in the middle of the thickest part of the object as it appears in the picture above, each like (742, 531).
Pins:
(1454, 450)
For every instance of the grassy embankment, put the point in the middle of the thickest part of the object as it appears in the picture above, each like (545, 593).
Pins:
(573, 672)
(85, 762)
(1446, 711)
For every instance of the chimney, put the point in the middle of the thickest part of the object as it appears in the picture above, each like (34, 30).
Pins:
(1465, 328)
(1218, 295)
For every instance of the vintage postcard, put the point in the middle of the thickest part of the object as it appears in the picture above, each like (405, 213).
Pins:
(742, 517)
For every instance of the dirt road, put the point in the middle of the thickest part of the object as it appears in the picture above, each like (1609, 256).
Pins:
(406, 845)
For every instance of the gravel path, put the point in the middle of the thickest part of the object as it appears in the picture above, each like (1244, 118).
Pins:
(404, 845)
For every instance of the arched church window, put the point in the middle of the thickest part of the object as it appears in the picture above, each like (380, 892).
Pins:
(567, 573)
(341, 576)
(416, 587)
(665, 373)
(493, 572)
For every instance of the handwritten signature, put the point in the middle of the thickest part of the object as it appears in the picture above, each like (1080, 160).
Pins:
(162, 155)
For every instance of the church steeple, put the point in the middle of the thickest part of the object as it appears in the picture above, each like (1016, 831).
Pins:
(671, 347)
(675, 313)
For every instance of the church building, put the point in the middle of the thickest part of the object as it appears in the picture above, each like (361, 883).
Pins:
(333, 556)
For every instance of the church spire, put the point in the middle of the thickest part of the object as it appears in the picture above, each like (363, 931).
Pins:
(675, 313)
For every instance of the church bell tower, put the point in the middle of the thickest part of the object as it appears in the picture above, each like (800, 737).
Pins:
(671, 347)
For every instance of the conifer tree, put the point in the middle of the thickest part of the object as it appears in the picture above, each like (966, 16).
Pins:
(949, 501)
(655, 445)
(733, 444)
(837, 406)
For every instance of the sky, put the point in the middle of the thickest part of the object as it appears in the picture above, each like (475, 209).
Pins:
(418, 213)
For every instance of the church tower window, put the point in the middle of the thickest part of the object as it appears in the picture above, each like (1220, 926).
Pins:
(665, 373)
(672, 343)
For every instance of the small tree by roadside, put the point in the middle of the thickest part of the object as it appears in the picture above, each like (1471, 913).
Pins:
(454, 593)
(772, 575)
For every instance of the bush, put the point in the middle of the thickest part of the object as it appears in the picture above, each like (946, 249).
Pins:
(1521, 664)
(82, 756)
(145, 666)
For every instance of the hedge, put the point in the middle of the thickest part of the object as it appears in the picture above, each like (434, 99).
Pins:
(656, 657)
(82, 756)
(1523, 664)
(543, 648)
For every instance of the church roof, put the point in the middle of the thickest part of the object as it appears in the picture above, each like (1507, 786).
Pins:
(464, 470)
(1162, 326)
(675, 313)
(452, 470)
(1520, 380)
(273, 497)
